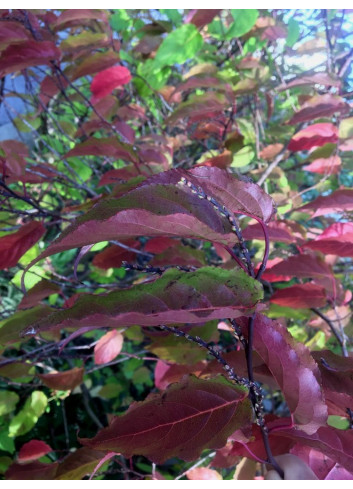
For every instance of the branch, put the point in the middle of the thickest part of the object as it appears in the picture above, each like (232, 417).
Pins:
(333, 330)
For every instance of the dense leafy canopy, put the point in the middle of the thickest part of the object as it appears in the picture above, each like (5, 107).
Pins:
(175, 243)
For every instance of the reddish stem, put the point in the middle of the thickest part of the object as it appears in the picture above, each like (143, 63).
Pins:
(235, 257)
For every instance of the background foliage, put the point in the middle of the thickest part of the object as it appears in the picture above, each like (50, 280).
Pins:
(122, 123)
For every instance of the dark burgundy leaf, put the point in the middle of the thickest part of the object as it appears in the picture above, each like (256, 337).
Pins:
(92, 64)
(337, 380)
(163, 425)
(13, 163)
(201, 17)
(12, 326)
(13, 246)
(103, 147)
(160, 206)
(158, 245)
(295, 371)
(31, 471)
(277, 231)
(323, 467)
(206, 106)
(176, 297)
(302, 266)
(12, 33)
(320, 106)
(78, 464)
(40, 291)
(29, 53)
(335, 444)
(113, 256)
(179, 256)
(311, 79)
(301, 296)
(77, 16)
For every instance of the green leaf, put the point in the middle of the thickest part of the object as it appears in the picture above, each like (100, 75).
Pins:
(243, 157)
(339, 422)
(179, 46)
(6, 443)
(173, 14)
(8, 401)
(24, 421)
(5, 463)
(244, 20)
(293, 32)
(346, 128)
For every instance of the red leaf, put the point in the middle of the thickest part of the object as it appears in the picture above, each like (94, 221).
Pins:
(117, 176)
(113, 256)
(323, 467)
(277, 231)
(92, 64)
(11, 327)
(203, 474)
(31, 471)
(295, 371)
(107, 80)
(78, 464)
(311, 79)
(160, 206)
(33, 450)
(61, 381)
(337, 239)
(13, 163)
(320, 106)
(40, 291)
(12, 33)
(325, 166)
(336, 372)
(339, 201)
(180, 256)
(201, 17)
(315, 135)
(76, 16)
(177, 296)
(200, 82)
(103, 147)
(206, 106)
(336, 444)
(300, 296)
(161, 427)
(242, 447)
(15, 245)
(301, 266)
(29, 53)
(108, 347)
(165, 374)
(237, 360)
(158, 245)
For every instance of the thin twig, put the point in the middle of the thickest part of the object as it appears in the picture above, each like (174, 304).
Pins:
(333, 330)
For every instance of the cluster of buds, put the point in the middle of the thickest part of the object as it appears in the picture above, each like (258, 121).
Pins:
(158, 270)
(212, 351)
